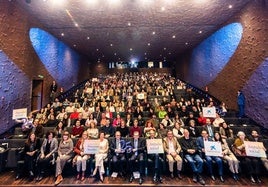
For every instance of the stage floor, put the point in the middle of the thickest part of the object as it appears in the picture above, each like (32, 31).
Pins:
(7, 178)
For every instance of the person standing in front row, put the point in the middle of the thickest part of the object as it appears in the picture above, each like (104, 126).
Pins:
(53, 90)
(172, 149)
(190, 152)
(65, 151)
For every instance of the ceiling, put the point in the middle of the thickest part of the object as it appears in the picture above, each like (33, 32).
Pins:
(121, 30)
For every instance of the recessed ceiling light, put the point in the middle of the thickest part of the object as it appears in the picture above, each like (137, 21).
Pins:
(88, 37)
(148, 44)
(119, 58)
(62, 34)
(160, 54)
(129, 24)
(163, 8)
(102, 55)
(97, 49)
(173, 36)
(145, 53)
(153, 32)
(169, 53)
(230, 6)
(74, 45)
(111, 45)
(76, 24)
(200, 32)
(186, 43)
(114, 54)
(130, 49)
(165, 48)
(145, 58)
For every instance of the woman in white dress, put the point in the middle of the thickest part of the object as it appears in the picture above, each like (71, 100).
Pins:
(100, 156)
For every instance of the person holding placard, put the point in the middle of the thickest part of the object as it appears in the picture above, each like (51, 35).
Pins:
(100, 156)
(255, 137)
(137, 153)
(228, 155)
(252, 163)
(117, 146)
(81, 158)
(156, 159)
(172, 149)
(200, 141)
(190, 152)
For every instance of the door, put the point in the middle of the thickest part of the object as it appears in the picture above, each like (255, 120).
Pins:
(37, 94)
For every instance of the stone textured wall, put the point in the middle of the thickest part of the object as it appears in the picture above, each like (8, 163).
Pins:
(20, 64)
(249, 55)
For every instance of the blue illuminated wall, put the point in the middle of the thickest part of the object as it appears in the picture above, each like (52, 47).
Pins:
(60, 61)
(256, 93)
(13, 82)
(211, 56)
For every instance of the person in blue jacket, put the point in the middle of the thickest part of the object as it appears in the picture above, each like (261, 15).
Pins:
(241, 103)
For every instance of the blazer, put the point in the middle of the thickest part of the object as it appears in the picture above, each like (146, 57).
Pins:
(53, 146)
(175, 142)
(200, 143)
(113, 145)
(141, 145)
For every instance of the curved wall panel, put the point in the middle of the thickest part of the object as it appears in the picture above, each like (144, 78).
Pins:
(61, 61)
(211, 56)
(256, 93)
(13, 82)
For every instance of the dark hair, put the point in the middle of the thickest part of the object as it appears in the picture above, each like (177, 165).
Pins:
(50, 132)
(28, 141)
(220, 138)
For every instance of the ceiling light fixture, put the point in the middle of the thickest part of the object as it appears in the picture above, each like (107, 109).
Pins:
(173, 36)
(200, 32)
(130, 49)
(129, 24)
(62, 34)
(153, 32)
(230, 6)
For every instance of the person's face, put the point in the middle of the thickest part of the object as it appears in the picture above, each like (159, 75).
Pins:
(242, 136)
(117, 135)
(217, 136)
(186, 133)
(170, 135)
(32, 137)
(77, 123)
(65, 137)
(152, 134)
(136, 136)
(84, 135)
(50, 136)
(102, 135)
(204, 134)
(208, 121)
(254, 134)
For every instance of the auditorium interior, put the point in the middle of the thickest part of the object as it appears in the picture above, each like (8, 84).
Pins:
(122, 72)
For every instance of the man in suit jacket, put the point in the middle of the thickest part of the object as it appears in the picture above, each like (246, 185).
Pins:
(172, 149)
(201, 148)
(137, 153)
(117, 147)
(209, 128)
(190, 152)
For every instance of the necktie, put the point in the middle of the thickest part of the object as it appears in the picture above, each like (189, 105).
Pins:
(136, 147)
(210, 131)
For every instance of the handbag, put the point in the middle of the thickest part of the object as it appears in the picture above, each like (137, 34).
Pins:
(238, 152)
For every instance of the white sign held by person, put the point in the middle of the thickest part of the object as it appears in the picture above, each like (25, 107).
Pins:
(213, 148)
(91, 146)
(19, 113)
(209, 112)
(255, 149)
(154, 146)
(140, 96)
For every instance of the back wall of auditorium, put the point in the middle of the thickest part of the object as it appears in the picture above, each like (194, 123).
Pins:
(234, 58)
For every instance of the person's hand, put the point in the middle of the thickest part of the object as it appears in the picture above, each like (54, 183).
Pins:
(173, 154)
(42, 156)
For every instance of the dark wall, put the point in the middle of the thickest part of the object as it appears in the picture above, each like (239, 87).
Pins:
(245, 68)
(20, 64)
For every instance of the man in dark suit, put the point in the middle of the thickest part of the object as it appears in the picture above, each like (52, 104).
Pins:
(157, 159)
(201, 148)
(190, 152)
(137, 154)
(117, 147)
(209, 128)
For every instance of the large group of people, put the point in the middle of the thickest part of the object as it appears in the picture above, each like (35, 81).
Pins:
(134, 107)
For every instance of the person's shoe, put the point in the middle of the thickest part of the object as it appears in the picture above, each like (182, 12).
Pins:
(59, 180)
(195, 178)
(258, 180)
(221, 179)
(212, 177)
(131, 179)
(252, 179)
(83, 176)
(155, 178)
(201, 180)
(31, 177)
(94, 172)
(171, 175)
(101, 178)
(78, 176)
(234, 177)
(179, 176)
(140, 181)
(160, 179)
(17, 177)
